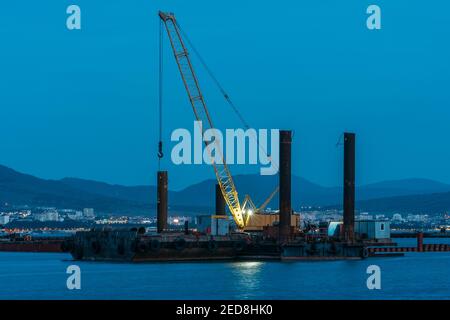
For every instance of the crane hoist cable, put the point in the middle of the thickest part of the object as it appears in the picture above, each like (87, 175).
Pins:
(160, 93)
(214, 78)
(339, 142)
(219, 86)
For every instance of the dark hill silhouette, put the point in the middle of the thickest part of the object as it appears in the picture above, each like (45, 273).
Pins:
(22, 189)
(419, 203)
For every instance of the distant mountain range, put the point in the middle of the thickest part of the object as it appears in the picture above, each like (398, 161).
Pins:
(410, 195)
(418, 203)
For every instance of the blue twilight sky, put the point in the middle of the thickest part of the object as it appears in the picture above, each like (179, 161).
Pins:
(84, 103)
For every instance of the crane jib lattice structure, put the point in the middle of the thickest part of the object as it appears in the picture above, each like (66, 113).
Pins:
(201, 113)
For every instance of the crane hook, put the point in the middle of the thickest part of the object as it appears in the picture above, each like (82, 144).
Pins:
(160, 152)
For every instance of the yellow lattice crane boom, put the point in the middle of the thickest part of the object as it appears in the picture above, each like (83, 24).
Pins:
(201, 113)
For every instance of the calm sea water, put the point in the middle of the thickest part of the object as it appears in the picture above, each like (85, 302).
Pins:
(43, 276)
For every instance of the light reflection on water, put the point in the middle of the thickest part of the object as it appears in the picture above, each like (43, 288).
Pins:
(247, 268)
(247, 277)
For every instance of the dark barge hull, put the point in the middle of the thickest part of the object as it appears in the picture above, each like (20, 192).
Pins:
(124, 245)
(317, 251)
(188, 254)
(32, 246)
(130, 246)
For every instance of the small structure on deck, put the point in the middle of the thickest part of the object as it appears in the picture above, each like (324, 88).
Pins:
(215, 225)
(373, 230)
(262, 221)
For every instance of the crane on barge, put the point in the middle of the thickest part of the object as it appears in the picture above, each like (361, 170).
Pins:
(202, 115)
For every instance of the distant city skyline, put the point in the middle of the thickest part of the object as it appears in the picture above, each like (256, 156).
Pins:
(83, 103)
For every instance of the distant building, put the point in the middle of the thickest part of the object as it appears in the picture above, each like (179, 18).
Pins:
(364, 216)
(88, 213)
(417, 217)
(50, 215)
(75, 215)
(397, 217)
(24, 213)
(4, 220)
